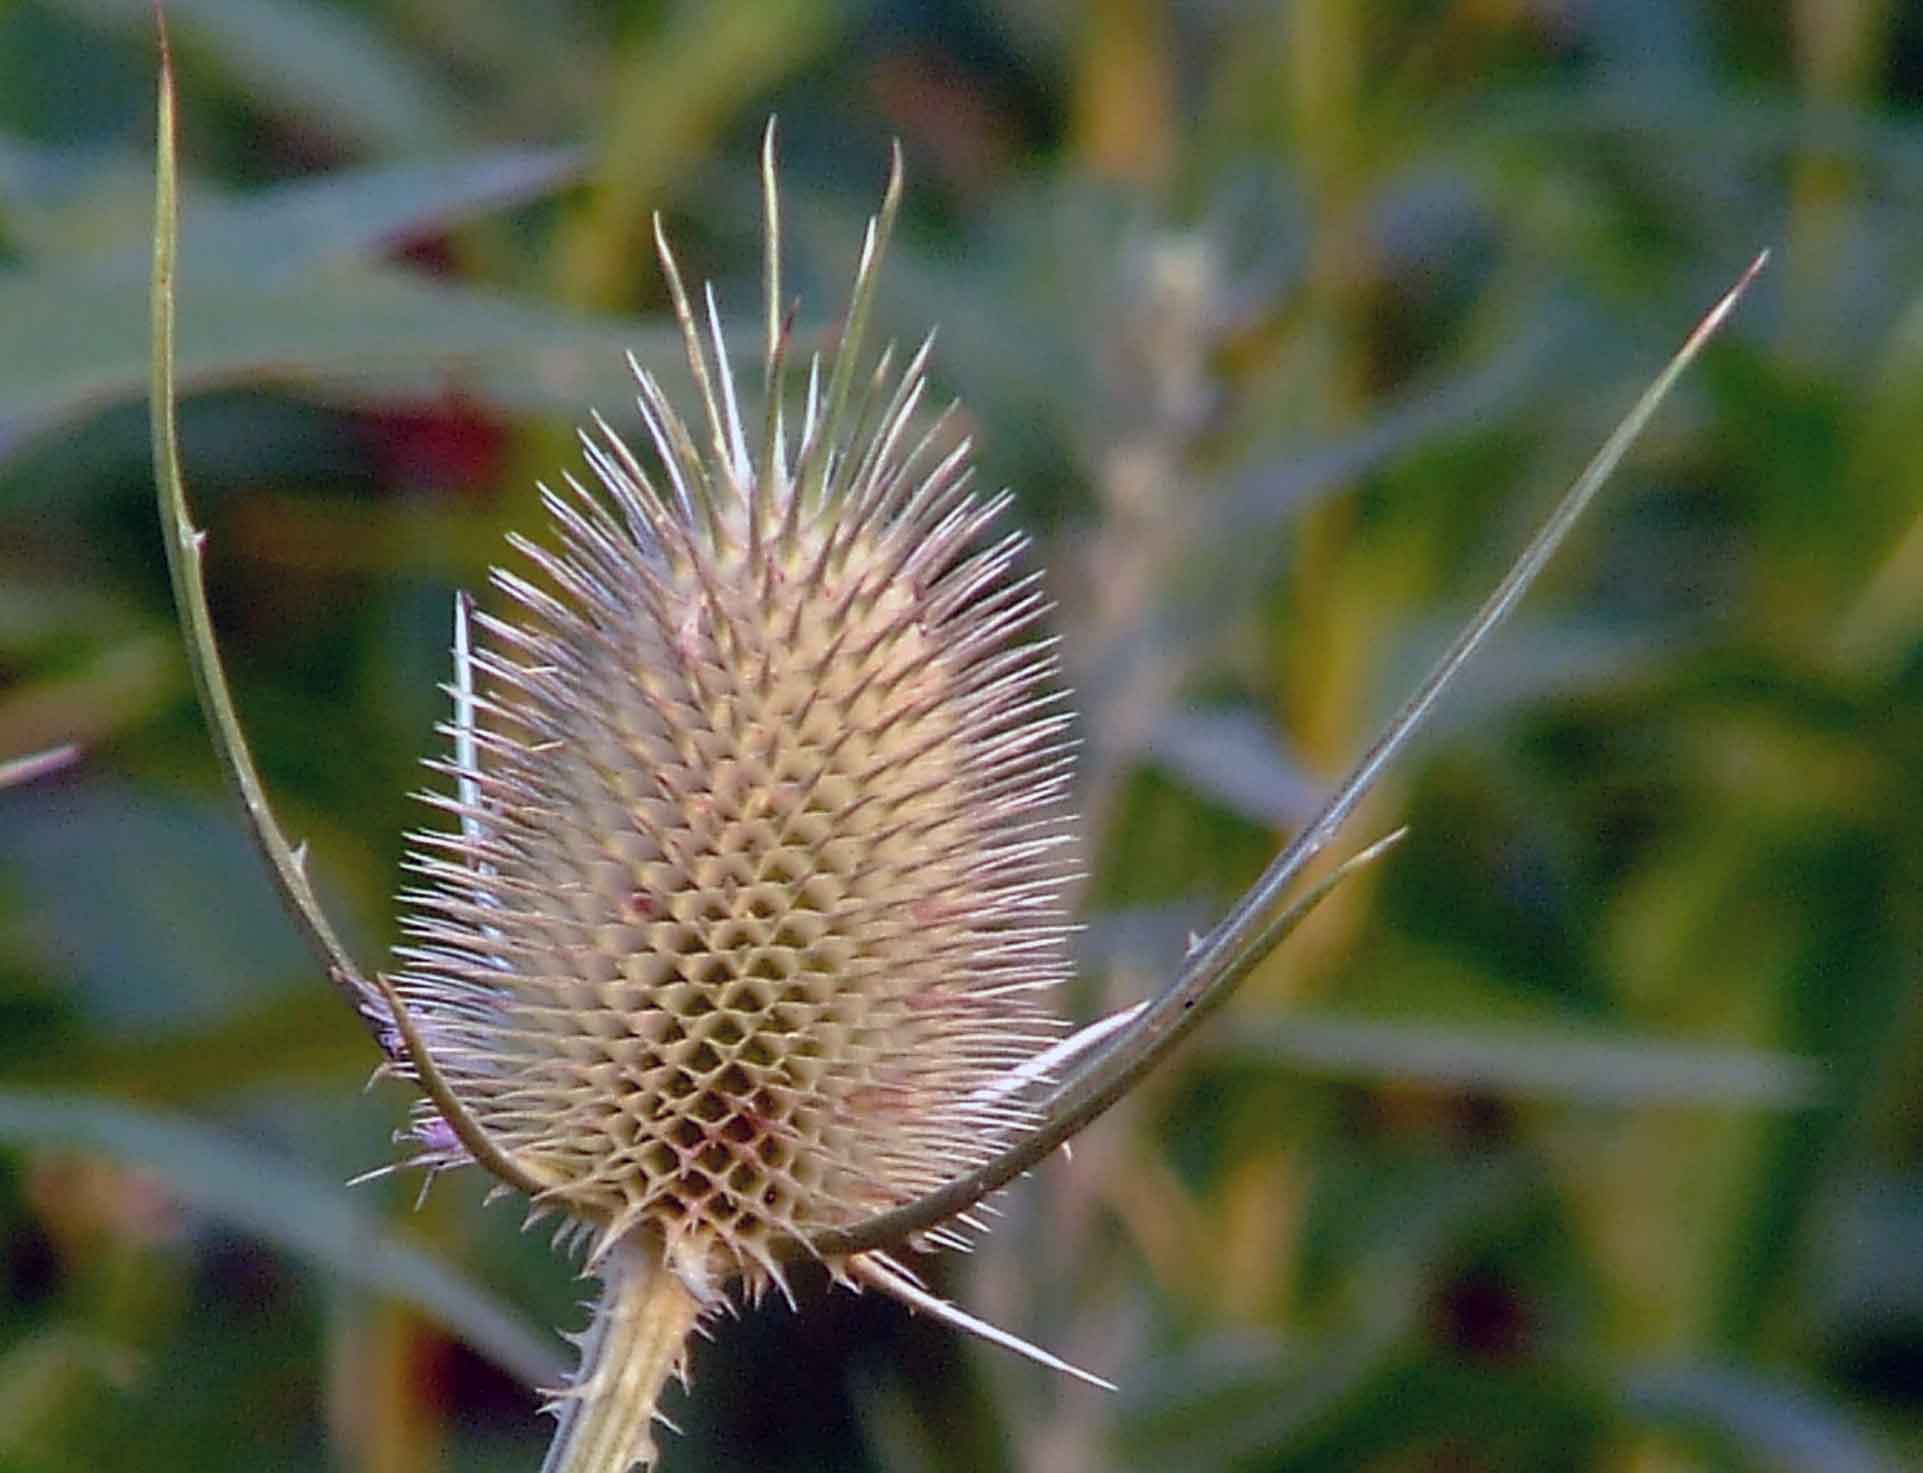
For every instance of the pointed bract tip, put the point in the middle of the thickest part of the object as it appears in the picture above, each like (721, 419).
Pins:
(897, 172)
(879, 1271)
(1714, 319)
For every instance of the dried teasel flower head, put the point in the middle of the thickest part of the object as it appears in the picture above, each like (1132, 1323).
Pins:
(756, 886)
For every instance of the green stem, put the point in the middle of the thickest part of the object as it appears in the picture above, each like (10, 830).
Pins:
(640, 1326)
(287, 863)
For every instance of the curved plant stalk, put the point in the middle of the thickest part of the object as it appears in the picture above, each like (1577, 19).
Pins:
(524, 1177)
(1254, 927)
(286, 862)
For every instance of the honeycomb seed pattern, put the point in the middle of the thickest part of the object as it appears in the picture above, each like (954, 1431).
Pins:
(760, 870)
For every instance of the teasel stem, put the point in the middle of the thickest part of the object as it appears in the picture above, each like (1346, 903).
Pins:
(635, 1342)
(1259, 921)
(286, 862)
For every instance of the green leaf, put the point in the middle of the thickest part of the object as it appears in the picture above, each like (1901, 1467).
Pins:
(322, 64)
(1237, 757)
(275, 234)
(70, 343)
(295, 1036)
(1623, 1071)
(65, 205)
(1245, 1406)
(72, 201)
(360, 212)
(188, 943)
(104, 692)
(1230, 1400)
(44, 1375)
(1779, 1425)
(284, 1206)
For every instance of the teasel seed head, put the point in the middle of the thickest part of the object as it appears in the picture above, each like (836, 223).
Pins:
(757, 884)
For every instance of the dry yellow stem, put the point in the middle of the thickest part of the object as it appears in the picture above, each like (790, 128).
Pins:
(636, 1341)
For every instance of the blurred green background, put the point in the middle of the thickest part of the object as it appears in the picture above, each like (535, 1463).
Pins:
(1584, 1134)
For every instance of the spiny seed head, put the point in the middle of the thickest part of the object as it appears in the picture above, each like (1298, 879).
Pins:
(759, 865)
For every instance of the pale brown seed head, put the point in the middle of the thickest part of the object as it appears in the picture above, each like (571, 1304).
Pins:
(760, 867)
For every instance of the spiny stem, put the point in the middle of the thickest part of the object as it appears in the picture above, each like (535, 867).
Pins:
(286, 862)
(640, 1330)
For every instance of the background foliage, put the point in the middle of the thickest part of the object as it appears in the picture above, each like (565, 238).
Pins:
(1586, 1134)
